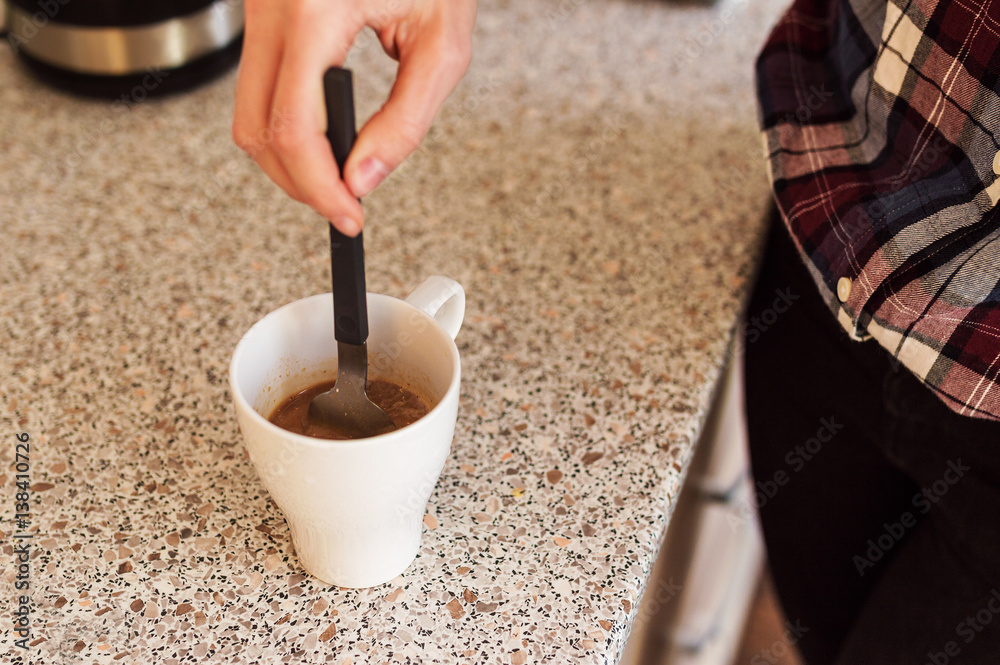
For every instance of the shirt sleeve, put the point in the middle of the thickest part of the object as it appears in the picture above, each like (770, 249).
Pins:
(879, 121)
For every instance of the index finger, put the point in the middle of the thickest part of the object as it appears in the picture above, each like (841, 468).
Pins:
(302, 147)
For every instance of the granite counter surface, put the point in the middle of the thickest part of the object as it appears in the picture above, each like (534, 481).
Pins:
(595, 183)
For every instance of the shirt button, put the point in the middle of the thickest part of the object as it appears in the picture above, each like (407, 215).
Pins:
(844, 289)
(996, 163)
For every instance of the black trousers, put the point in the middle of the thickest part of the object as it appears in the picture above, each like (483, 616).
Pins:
(880, 506)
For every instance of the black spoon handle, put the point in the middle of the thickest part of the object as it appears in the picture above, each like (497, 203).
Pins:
(347, 255)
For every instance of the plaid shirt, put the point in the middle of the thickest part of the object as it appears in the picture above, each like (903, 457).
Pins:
(881, 124)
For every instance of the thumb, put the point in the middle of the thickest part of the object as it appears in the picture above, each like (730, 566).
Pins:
(426, 76)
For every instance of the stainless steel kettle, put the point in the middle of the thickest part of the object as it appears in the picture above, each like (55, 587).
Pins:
(115, 47)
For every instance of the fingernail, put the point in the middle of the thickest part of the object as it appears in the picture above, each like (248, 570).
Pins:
(368, 175)
(347, 226)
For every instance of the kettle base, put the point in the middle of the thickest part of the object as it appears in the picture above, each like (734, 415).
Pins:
(134, 88)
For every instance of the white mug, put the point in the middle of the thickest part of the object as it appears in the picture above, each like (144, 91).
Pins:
(355, 508)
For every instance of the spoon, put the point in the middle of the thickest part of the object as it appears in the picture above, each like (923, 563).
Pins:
(346, 406)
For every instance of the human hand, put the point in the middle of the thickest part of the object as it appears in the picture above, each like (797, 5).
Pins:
(280, 120)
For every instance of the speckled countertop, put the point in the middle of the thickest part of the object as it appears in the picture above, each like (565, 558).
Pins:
(595, 184)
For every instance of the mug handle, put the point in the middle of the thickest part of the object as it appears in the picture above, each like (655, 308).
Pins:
(444, 299)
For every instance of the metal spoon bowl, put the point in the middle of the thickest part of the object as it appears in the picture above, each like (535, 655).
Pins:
(347, 405)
